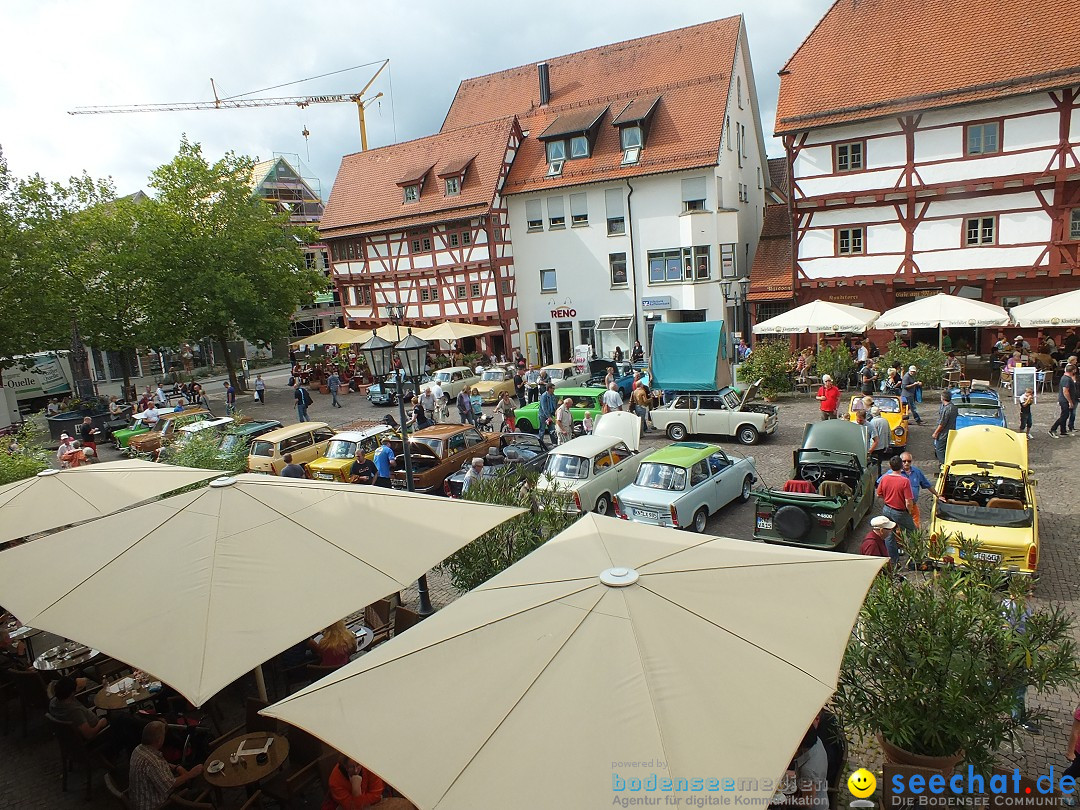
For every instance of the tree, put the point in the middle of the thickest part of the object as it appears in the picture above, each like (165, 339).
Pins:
(237, 266)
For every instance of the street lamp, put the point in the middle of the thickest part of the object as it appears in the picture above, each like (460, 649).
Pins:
(734, 291)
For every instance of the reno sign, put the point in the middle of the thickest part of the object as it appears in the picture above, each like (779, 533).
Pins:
(564, 313)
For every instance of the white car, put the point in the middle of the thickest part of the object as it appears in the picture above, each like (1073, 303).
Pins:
(455, 378)
(720, 413)
(591, 469)
(566, 375)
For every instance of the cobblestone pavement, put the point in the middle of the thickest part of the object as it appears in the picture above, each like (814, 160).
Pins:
(29, 774)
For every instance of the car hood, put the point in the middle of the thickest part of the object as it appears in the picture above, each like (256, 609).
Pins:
(987, 442)
(837, 434)
(750, 394)
(332, 463)
(620, 425)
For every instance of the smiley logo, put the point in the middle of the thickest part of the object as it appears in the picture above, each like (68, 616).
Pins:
(861, 783)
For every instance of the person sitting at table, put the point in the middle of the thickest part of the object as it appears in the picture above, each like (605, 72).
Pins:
(150, 778)
(352, 786)
(1010, 364)
(65, 707)
(952, 362)
(811, 766)
(338, 642)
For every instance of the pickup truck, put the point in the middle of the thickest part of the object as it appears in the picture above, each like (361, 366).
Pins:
(830, 490)
(723, 413)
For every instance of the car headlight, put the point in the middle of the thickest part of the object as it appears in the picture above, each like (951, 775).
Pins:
(898, 431)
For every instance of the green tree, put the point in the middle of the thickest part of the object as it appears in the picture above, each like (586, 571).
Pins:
(23, 458)
(238, 267)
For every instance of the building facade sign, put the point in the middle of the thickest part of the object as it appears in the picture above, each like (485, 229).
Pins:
(656, 302)
(564, 313)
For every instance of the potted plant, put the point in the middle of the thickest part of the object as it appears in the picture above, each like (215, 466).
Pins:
(770, 361)
(939, 659)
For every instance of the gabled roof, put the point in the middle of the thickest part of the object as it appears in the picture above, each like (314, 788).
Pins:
(771, 276)
(689, 68)
(261, 174)
(574, 122)
(637, 110)
(778, 177)
(367, 195)
(932, 54)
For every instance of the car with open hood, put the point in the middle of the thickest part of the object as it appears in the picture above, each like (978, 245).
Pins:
(680, 485)
(566, 375)
(726, 412)
(988, 495)
(589, 470)
(334, 464)
(978, 405)
(385, 391)
(624, 375)
(515, 453)
(830, 489)
(896, 413)
(437, 452)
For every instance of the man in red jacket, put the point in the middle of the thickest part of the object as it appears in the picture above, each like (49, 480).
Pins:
(829, 397)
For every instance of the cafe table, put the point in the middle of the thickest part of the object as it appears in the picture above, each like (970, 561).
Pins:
(124, 693)
(220, 772)
(24, 633)
(64, 657)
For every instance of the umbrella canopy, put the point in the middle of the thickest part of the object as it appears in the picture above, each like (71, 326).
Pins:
(454, 330)
(679, 655)
(942, 310)
(333, 337)
(1062, 309)
(204, 586)
(818, 317)
(55, 498)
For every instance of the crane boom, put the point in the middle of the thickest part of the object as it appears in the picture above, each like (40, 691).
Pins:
(220, 104)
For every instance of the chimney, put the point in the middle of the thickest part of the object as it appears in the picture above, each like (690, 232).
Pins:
(545, 83)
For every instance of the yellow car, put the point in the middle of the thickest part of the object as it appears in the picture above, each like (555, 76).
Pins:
(992, 502)
(493, 381)
(895, 411)
(340, 453)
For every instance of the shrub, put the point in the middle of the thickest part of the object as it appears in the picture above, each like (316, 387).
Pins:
(22, 455)
(203, 450)
(836, 361)
(927, 359)
(770, 361)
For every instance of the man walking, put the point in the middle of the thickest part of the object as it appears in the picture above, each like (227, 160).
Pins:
(612, 399)
(440, 414)
(548, 406)
(333, 382)
(894, 489)
(230, 398)
(829, 397)
(260, 389)
(303, 400)
(1067, 390)
(384, 463)
(946, 422)
(880, 436)
(910, 387)
(564, 422)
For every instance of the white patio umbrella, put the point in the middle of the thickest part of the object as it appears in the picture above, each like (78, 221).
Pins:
(204, 586)
(55, 498)
(942, 310)
(818, 317)
(677, 655)
(336, 336)
(453, 330)
(1062, 309)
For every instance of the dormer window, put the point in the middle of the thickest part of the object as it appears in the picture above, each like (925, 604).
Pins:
(633, 123)
(412, 193)
(453, 186)
(555, 168)
(412, 184)
(570, 137)
(631, 140)
(556, 151)
(453, 173)
(579, 147)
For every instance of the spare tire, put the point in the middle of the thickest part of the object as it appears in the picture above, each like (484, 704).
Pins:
(791, 522)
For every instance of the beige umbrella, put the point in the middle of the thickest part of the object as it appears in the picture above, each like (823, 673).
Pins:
(1062, 309)
(333, 337)
(818, 317)
(204, 586)
(454, 330)
(54, 498)
(616, 651)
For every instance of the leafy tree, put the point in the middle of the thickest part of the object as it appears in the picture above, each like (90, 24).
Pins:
(237, 266)
(836, 361)
(22, 455)
(203, 450)
(770, 362)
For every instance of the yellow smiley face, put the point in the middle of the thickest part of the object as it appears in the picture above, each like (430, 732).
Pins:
(861, 783)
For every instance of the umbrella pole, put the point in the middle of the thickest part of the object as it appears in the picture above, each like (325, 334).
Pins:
(260, 683)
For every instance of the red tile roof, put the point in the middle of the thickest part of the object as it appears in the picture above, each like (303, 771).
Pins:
(771, 274)
(573, 122)
(637, 110)
(778, 176)
(366, 196)
(689, 68)
(871, 58)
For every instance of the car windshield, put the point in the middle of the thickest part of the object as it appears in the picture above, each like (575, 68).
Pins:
(340, 448)
(262, 448)
(984, 412)
(560, 466)
(887, 404)
(732, 400)
(442, 376)
(230, 442)
(493, 376)
(434, 444)
(661, 476)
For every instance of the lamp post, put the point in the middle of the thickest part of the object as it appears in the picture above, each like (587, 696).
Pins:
(734, 291)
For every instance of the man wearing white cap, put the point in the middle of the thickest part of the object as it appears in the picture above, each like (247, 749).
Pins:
(65, 446)
(910, 391)
(474, 475)
(829, 397)
(1021, 345)
(874, 544)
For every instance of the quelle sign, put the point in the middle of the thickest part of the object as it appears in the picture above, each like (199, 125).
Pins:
(564, 313)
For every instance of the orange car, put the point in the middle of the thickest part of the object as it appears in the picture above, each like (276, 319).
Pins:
(437, 453)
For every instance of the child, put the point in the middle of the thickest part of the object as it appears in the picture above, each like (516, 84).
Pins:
(1025, 412)
(587, 423)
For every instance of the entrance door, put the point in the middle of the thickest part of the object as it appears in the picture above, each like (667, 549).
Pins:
(566, 341)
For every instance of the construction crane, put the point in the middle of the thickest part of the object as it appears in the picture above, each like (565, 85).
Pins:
(236, 102)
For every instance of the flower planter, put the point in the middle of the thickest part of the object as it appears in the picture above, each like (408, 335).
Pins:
(901, 756)
(324, 389)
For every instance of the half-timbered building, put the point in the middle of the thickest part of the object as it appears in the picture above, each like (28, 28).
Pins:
(933, 147)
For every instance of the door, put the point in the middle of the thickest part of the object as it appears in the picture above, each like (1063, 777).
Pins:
(532, 349)
(566, 341)
(711, 416)
(625, 469)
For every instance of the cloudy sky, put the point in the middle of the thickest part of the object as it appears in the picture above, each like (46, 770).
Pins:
(60, 55)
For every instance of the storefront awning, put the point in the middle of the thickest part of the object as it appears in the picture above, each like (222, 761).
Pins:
(614, 323)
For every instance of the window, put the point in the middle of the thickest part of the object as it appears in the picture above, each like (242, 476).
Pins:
(980, 231)
(586, 328)
(556, 216)
(425, 295)
(742, 129)
(579, 209)
(983, 139)
(728, 127)
(770, 309)
(421, 245)
(556, 150)
(453, 186)
(363, 296)
(474, 290)
(738, 143)
(554, 168)
(534, 215)
(547, 281)
(412, 193)
(460, 292)
(738, 90)
(665, 266)
(434, 293)
(849, 241)
(631, 141)
(759, 177)
(613, 201)
(466, 237)
(1074, 224)
(579, 147)
(701, 263)
(693, 194)
(453, 240)
(617, 262)
(849, 156)
(504, 285)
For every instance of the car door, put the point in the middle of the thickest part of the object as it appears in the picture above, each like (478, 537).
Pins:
(625, 469)
(712, 416)
(726, 485)
(700, 491)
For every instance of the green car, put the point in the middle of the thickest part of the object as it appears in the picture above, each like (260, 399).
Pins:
(585, 399)
(122, 437)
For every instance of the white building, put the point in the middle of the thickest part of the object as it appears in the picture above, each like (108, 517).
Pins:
(639, 186)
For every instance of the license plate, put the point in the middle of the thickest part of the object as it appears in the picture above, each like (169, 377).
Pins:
(764, 523)
(324, 476)
(986, 556)
(646, 513)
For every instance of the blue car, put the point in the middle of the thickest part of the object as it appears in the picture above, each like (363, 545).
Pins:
(978, 406)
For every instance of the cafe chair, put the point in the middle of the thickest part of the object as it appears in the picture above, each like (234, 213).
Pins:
(200, 802)
(404, 619)
(253, 721)
(377, 617)
(118, 795)
(33, 695)
(74, 749)
(288, 786)
(8, 693)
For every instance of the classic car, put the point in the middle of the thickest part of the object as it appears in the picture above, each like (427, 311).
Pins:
(144, 444)
(989, 497)
(566, 375)
(185, 433)
(978, 405)
(304, 441)
(516, 452)
(437, 452)
(122, 436)
(829, 492)
(385, 392)
(584, 399)
(723, 413)
(682, 484)
(455, 378)
(895, 412)
(334, 464)
(493, 382)
(243, 435)
(624, 375)
(589, 470)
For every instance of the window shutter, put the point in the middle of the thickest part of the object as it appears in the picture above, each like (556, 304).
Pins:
(613, 198)
(693, 188)
(579, 206)
(555, 207)
(533, 211)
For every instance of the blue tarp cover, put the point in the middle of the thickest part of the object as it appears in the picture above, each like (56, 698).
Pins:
(687, 356)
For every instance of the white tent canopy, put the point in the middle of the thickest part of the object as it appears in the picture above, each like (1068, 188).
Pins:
(1062, 309)
(818, 317)
(453, 330)
(942, 310)
(613, 642)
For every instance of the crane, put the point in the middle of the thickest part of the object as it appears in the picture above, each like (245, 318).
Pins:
(236, 102)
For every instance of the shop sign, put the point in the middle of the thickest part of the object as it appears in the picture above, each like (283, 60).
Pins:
(564, 313)
(921, 292)
(657, 302)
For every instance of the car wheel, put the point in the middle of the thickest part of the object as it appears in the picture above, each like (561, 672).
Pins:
(524, 426)
(791, 522)
(577, 430)
(744, 493)
(603, 505)
(701, 518)
(676, 432)
(748, 435)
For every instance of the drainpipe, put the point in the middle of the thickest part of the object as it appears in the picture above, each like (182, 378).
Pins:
(633, 261)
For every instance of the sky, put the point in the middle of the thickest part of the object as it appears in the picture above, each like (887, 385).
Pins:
(62, 55)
